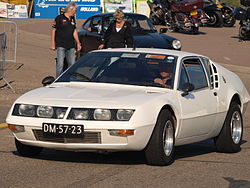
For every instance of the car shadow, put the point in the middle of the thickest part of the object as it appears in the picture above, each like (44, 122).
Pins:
(189, 33)
(122, 158)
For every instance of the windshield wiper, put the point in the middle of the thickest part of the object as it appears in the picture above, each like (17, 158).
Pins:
(150, 84)
(79, 76)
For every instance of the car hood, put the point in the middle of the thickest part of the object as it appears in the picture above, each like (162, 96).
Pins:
(153, 40)
(92, 95)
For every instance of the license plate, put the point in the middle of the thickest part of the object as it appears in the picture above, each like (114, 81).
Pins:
(62, 129)
(195, 12)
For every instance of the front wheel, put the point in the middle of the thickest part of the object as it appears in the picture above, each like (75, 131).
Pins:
(215, 19)
(27, 151)
(229, 22)
(230, 137)
(160, 149)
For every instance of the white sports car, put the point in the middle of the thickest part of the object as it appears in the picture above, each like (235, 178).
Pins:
(133, 99)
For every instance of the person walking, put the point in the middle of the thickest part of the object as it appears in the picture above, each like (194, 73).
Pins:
(64, 37)
(118, 34)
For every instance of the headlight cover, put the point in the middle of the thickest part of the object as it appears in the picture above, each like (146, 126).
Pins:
(60, 112)
(80, 114)
(45, 111)
(176, 44)
(124, 115)
(27, 110)
(40, 111)
(102, 114)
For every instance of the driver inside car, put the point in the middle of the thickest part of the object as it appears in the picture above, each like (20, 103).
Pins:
(165, 76)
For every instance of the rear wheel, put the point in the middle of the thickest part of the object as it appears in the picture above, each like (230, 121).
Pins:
(230, 137)
(160, 149)
(27, 151)
(243, 32)
(215, 19)
(195, 30)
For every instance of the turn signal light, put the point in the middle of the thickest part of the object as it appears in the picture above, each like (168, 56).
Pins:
(12, 127)
(122, 132)
(16, 128)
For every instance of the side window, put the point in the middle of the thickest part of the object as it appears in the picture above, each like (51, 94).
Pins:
(106, 22)
(183, 78)
(196, 73)
(86, 26)
(96, 25)
(209, 72)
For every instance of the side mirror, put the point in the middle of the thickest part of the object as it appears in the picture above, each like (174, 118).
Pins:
(48, 80)
(163, 30)
(187, 88)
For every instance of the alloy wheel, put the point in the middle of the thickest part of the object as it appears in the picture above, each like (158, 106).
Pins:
(168, 137)
(236, 127)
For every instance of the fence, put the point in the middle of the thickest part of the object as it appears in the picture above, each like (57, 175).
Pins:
(2, 53)
(8, 48)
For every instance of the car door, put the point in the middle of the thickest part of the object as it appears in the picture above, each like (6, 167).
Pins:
(92, 36)
(199, 106)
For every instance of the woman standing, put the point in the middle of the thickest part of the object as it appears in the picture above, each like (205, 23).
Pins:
(118, 34)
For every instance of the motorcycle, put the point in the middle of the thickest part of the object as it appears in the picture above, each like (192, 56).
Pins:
(185, 15)
(219, 14)
(244, 16)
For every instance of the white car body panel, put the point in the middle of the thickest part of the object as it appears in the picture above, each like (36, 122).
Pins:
(197, 117)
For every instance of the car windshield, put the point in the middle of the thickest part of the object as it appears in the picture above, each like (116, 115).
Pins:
(141, 69)
(139, 23)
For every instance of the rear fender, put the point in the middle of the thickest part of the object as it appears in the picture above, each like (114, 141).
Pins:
(227, 8)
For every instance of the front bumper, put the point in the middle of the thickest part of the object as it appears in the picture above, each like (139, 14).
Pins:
(94, 139)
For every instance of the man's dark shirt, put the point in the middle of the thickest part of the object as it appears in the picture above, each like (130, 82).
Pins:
(64, 31)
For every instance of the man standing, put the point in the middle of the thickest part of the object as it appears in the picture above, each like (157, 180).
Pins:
(64, 37)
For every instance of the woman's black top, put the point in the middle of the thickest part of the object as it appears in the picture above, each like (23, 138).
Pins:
(120, 39)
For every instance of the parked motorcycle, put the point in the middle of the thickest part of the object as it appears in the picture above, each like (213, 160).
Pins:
(184, 15)
(219, 14)
(244, 16)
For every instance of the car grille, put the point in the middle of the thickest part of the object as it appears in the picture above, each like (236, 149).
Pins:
(88, 138)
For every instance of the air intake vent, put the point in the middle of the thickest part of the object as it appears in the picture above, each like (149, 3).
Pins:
(88, 138)
(216, 77)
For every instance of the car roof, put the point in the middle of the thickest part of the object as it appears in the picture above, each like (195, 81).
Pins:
(151, 50)
(111, 14)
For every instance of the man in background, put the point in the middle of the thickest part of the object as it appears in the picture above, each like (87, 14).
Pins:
(64, 37)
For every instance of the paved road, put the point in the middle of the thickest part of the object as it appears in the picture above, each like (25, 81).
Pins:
(196, 165)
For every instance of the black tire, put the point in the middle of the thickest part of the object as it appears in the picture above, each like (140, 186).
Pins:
(195, 30)
(176, 29)
(160, 151)
(230, 137)
(27, 151)
(215, 20)
(243, 33)
(229, 22)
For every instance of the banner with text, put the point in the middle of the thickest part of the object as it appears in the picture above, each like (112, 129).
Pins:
(51, 8)
(13, 11)
(112, 5)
